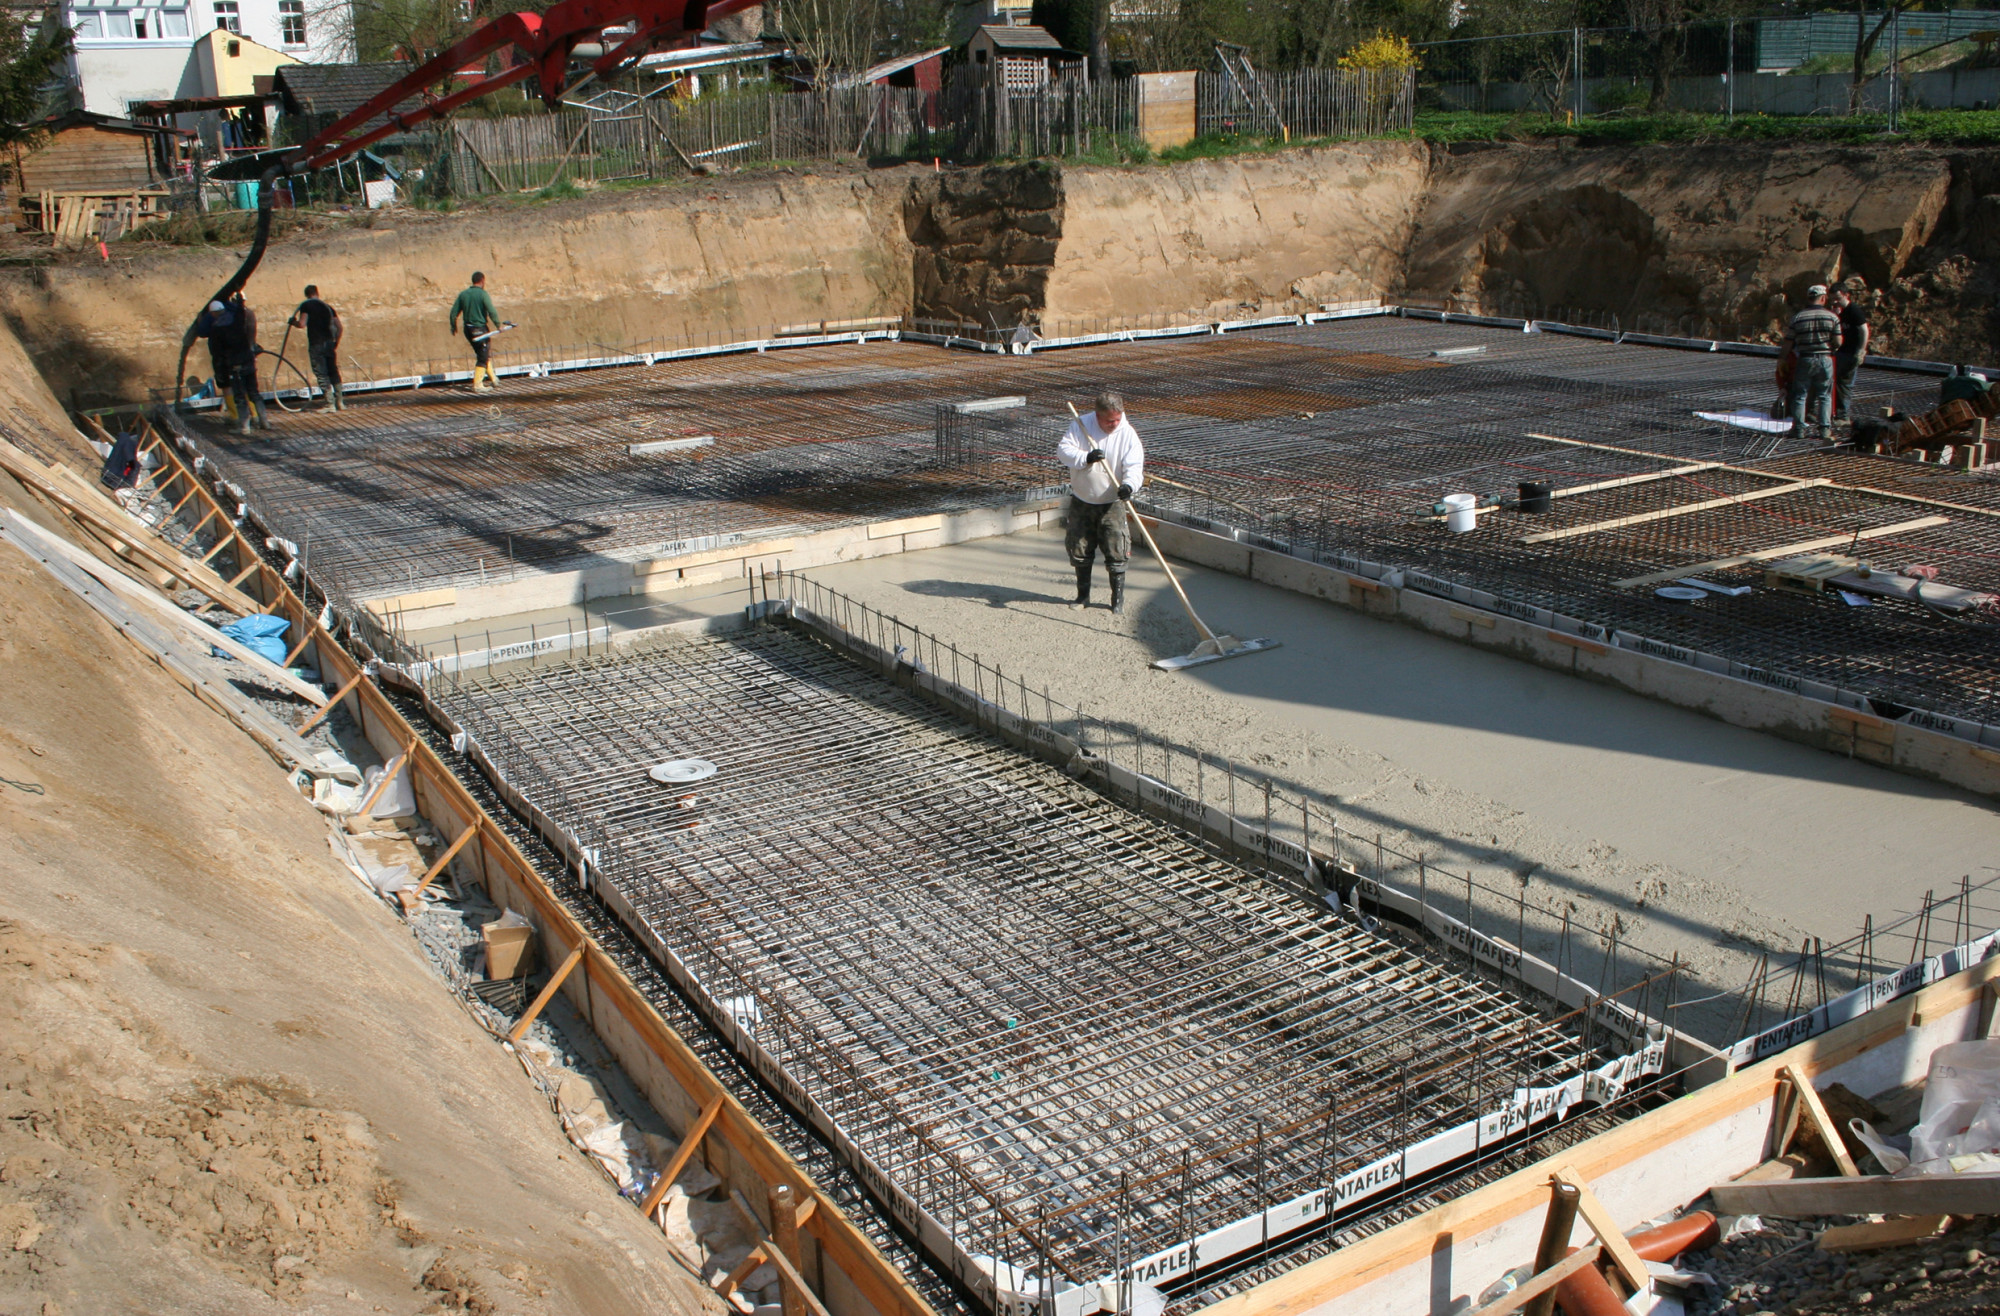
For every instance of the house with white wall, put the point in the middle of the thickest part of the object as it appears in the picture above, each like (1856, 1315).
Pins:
(155, 50)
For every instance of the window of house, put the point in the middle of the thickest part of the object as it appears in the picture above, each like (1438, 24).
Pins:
(88, 25)
(292, 18)
(118, 24)
(172, 23)
(227, 16)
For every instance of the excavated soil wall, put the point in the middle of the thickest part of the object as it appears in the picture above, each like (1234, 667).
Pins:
(735, 258)
(1724, 239)
(1712, 240)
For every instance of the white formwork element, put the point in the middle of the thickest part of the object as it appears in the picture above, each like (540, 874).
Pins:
(670, 445)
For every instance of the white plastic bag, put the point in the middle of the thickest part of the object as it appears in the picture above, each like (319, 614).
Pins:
(1960, 1118)
(398, 800)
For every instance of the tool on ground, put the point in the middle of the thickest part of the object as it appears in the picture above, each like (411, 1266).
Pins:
(1213, 648)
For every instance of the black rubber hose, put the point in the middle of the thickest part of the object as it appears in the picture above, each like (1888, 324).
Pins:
(243, 271)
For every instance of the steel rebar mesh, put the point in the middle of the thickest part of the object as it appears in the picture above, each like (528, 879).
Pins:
(1007, 991)
(1335, 440)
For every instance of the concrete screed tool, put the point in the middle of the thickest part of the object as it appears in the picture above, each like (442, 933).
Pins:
(1213, 648)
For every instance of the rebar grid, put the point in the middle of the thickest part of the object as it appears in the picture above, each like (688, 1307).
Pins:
(1336, 439)
(1015, 997)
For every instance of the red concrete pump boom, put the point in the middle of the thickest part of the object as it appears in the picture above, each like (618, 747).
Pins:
(616, 32)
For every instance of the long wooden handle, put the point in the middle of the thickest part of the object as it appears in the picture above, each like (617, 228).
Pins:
(1172, 579)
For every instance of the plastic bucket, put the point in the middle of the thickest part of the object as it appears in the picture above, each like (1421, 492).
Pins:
(1536, 496)
(1459, 514)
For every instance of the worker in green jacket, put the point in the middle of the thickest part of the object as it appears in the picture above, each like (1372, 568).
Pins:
(475, 307)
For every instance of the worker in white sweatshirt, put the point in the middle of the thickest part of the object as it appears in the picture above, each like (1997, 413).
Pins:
(1107, 465)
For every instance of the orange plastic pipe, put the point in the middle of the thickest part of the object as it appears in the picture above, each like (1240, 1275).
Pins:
(1691, 1233)
(1588, 1293)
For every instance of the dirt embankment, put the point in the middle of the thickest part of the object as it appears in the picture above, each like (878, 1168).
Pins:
(707, 259)
(1719, 240)
(228, 1080)
(1233, 237)
(1707, 240)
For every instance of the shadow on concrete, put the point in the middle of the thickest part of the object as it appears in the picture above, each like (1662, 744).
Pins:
(993, 596)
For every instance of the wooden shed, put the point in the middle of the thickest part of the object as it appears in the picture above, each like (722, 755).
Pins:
(90, 154)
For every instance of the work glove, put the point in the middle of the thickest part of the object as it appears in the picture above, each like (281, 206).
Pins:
(1096, 455)
(1125, 493)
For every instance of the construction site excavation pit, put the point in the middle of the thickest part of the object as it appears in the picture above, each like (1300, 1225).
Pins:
(1069, 1023)
(428, 510)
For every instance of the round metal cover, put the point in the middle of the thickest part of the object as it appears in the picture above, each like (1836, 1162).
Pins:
(680, 772)
(1681, 593)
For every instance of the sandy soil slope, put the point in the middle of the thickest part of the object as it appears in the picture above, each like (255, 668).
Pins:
(228, 1081)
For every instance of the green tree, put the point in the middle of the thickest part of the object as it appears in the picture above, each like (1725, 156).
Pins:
(31, 67)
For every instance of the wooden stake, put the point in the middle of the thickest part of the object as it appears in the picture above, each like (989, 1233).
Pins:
(334, 702)
(1815, 1110)
(1637, 1277)
(520, 1029)
(1543, 1284)
(448, 856)
(689, 1144)
(184, 570)
(785, 1233)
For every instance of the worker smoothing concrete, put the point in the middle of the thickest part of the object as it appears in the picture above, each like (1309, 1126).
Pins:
(1107, 465)
(475, 307)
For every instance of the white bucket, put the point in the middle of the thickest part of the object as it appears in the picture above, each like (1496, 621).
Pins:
(1459, 514)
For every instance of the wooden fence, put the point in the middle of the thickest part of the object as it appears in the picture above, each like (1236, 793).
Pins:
(668, 139)
(1308, 103)
(969, 120)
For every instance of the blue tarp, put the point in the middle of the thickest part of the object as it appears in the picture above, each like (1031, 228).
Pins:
(263, 634)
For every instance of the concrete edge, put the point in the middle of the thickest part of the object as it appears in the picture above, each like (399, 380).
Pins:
(1962, 754)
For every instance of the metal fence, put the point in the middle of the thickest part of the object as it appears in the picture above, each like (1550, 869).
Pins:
(1744, 66)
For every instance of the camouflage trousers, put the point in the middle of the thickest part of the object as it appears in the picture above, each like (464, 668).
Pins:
(1088, 527)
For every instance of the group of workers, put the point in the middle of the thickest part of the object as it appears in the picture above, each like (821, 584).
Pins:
(1825, 344)
(230, 329)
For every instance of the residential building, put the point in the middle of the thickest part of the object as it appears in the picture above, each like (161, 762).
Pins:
(154, 50)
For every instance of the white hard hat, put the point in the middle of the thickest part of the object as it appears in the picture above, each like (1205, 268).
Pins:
(216, 308)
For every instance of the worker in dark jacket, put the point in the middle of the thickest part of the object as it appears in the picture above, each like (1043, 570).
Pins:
(231, 331)
(475, 307)
(323, 330)
(1813, 337)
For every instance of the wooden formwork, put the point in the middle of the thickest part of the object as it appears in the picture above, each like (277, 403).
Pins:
(851, 1275)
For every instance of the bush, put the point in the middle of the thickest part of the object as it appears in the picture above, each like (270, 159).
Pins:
(1612, 98)
(1383, 53)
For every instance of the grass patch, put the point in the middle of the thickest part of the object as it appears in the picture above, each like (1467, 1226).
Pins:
(216, 228)
(562, 189)
(1917, 127)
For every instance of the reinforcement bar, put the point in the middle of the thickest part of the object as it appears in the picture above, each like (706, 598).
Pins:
(657, 1059)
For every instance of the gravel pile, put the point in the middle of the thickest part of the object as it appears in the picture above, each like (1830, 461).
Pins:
(1773, 1267)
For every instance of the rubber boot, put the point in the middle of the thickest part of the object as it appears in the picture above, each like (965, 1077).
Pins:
(1082, 599)
(263, 422)
(479, 384)
(339, 402)
(229, 407)
(1118, 594)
